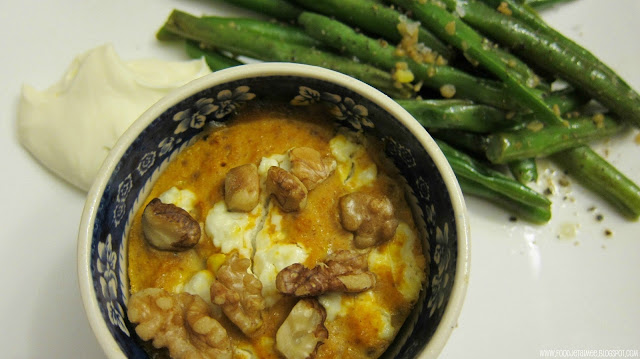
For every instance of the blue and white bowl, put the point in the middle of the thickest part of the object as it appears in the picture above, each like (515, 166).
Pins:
(174, 122)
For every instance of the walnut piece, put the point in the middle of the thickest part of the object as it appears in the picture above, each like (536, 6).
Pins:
(303, 331)
(310, 167)
(242, 188)
(288, 190)
(343, 271)
(180, 322)
(168, 227)
(239, 294)
(369, 217)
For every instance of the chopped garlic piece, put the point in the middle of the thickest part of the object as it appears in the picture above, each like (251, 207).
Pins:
(448, 91)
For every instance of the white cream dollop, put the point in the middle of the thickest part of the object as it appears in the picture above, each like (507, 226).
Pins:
(71, 126)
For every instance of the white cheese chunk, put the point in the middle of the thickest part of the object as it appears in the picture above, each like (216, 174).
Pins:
(182, 198)
(200, 284)
(354, 166)
(273, 254)
(233, 230)
(332, 303)
(397, 257)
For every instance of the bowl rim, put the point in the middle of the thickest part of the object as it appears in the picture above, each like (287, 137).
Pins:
(85, 232)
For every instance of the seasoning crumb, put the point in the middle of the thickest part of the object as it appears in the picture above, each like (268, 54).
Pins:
(599, 217)
(450, 28)
(513, 219)
(572, 114)
(608, 232)
(409, 44)
(548, 191)
(402, 73)
(564, 182)
(431, 71)
(598, 119)
(591, 209)
(504, 8)
(448, 91)
(568, 230)
(535, 126)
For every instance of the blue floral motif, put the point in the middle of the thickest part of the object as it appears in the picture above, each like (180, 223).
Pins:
(352, 112)
(106, 265)
(146, 162)
(229, 101)
(406, 156)
(330, 98)
(440, 281)
(306, 96)
(166, 145)
(423, 189)
(401, 152)
(430, 214)
(124, 188)
(342, 109)
(195, 116)
(118, 213)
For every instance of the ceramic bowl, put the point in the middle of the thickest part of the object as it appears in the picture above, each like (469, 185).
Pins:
(173, 123)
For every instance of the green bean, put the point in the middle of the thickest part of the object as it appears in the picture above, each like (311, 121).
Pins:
(457, 33)
(272, 30)
(537, 42)
(342, 37)
(456, 114)
(279, 9)
(226, 35)
(471, 143)
(214, 59)
(371, 16)
(471, 170)
(542, 4)
(534, 214)
(524, 170)
(504, 147)
(598, 175)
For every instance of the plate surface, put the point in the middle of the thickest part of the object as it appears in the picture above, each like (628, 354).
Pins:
(566, 285)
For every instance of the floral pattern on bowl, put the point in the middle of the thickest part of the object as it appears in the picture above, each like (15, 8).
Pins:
(178, 126)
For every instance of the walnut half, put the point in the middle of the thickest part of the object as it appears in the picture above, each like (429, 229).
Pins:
(180, 322)
(169, 227)
(343, 271)
(242, 188)
(310, 167)
(289, 192)
(369, 217)
(239, 294)
(303, 331)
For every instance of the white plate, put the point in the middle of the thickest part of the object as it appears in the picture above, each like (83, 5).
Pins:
(530, 290)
